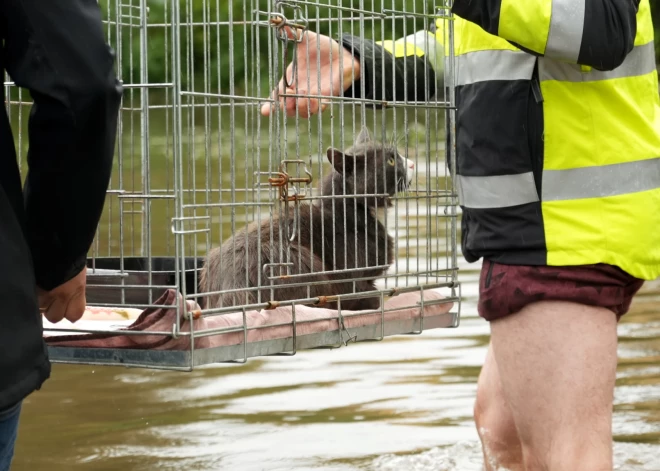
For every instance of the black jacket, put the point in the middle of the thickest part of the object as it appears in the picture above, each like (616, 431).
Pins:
(57, 51)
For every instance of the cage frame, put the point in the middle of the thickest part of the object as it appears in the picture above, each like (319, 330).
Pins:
(183, 225)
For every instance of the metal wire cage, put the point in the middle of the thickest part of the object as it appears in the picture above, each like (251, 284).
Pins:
(197, 163)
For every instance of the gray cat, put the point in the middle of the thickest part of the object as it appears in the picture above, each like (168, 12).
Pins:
(328, 237)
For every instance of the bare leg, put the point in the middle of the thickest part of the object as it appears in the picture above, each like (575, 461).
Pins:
(557, 365)
(494, 421)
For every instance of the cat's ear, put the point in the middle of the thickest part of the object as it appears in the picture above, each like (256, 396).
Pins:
(364, 137)
(340, 161)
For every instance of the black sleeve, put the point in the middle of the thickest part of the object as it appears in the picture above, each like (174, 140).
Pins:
(386, 78)
(608, 34)
(58, 52)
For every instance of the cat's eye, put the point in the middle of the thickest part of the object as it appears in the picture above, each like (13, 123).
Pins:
(391, 161)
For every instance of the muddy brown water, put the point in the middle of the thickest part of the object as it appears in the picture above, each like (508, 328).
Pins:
(401, 404)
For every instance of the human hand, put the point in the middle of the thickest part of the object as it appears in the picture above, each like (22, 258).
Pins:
(316, 74)
(67, 301)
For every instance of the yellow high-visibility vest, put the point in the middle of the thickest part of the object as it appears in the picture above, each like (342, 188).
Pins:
(558, 163)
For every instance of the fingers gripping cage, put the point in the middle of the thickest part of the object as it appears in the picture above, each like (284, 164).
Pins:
(213, 138)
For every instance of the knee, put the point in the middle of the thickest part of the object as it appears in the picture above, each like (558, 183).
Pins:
(496, 427)
(104, 87)
(588, 449)
(94, 86)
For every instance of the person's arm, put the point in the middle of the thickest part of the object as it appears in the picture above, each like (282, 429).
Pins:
(404, 70)
(326, 67)
(58, 52)
(595, 33)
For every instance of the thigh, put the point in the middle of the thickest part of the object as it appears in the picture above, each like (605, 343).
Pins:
(8, 433)
(557, 365)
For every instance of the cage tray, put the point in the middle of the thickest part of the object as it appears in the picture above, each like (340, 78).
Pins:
(222, 338)
(173, 359)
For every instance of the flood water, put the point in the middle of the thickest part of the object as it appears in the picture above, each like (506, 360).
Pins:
(401, 404)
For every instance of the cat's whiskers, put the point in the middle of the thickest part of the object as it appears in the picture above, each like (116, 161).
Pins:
(396, 138)
(401, 185)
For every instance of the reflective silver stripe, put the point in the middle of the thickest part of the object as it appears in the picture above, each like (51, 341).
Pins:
(481, 66)
(428, 42)
(640, 61)
(566, 27)
(433, 51)
(599, 182)
(503, 191)
(499, 191)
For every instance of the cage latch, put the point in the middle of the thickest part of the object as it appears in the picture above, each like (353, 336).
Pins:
(279, 21)
(282, 180)
(283, 29)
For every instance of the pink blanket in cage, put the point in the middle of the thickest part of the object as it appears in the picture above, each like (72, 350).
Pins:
(161, 319)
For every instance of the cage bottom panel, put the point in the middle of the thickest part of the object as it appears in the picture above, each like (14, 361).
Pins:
(188, 359)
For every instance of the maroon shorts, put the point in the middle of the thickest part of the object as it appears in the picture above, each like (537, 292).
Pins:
(506, 289)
